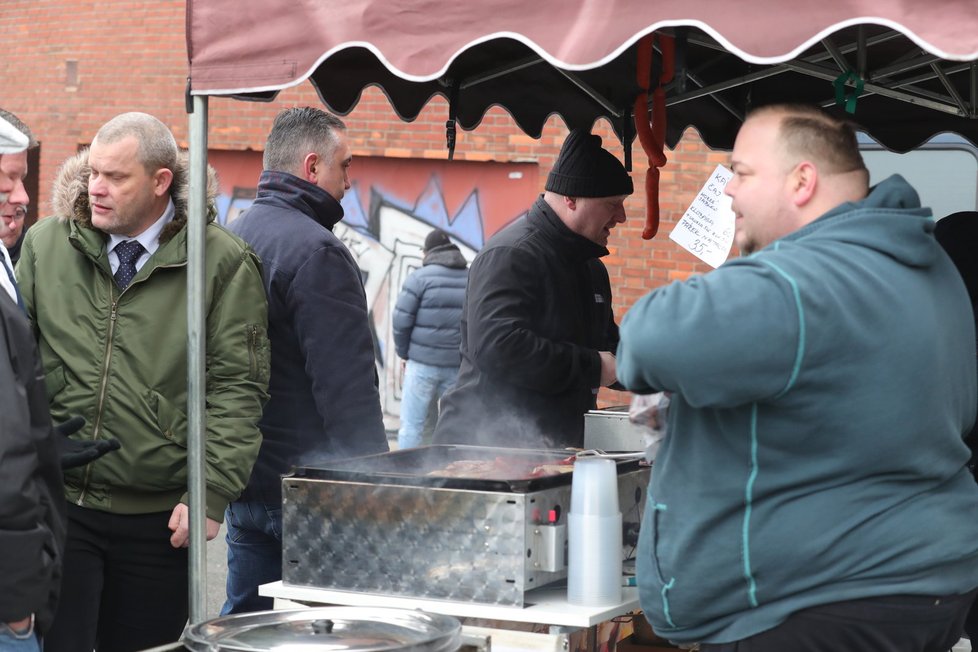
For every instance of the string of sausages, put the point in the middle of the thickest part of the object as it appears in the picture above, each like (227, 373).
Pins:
(652, 133)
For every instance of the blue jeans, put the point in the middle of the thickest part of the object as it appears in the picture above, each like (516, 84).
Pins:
(11, 641)
(254, 537)
(423, 384)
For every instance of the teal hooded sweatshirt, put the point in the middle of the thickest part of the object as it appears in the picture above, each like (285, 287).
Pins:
(820, 391)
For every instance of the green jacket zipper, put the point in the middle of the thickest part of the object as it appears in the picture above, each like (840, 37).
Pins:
(103, 386)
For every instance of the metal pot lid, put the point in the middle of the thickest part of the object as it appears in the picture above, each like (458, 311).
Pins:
(327, 628)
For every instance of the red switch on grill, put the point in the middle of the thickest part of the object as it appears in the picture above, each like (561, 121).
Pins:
(552, 516)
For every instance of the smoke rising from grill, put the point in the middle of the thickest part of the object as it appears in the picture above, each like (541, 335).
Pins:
(497, 423)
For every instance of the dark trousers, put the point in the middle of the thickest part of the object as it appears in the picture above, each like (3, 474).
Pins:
(971, 625)
(901, 623)
(124, 586)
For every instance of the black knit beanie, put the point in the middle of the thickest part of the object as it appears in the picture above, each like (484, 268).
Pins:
(585, 169)
(436, 238)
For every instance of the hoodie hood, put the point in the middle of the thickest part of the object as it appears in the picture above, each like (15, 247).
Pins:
(69, 196)
(893, 202)
(446, 255)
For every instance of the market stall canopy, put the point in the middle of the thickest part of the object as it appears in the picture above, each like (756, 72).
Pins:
(906, 70)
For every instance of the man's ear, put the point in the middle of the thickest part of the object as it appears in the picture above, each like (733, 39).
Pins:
(570, 202)
(310, 167)
(162, 180)
(803, 182)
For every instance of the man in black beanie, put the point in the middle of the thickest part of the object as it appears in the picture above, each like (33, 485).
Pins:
(538, 332)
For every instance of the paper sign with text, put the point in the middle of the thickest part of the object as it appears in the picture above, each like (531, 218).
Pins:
(706, 229)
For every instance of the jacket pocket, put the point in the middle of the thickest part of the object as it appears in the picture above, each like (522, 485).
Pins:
(171, 420)
(54, 381)
(259, 365)
(655, 583)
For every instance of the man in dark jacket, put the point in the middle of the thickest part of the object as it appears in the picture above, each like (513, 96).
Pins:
(15, 210)
(15, 139)
(537, 327)
(958, 235)
(32, 506)
(324, 400)
(426, 332)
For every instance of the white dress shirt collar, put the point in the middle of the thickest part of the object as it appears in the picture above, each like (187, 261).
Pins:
(150, 239)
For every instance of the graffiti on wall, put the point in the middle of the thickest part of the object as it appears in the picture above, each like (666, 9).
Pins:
(390, 208)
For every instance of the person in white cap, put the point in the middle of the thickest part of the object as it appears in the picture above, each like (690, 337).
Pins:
(32, 506)
(32, 518)
(12, 139)
(15, 138)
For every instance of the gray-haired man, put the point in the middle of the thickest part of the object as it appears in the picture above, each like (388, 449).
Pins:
(324, 397)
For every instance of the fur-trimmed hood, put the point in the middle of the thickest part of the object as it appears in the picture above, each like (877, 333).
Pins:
(69, 196)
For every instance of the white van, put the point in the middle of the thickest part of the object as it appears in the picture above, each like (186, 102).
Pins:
(944, 171)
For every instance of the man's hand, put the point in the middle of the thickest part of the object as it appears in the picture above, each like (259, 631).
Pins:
(608, 370)
(79, 453)
(180, 526)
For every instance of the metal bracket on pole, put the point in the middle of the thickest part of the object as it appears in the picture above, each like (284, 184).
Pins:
(627, 126)
(450, 130)
(188, 99)
(973, 73)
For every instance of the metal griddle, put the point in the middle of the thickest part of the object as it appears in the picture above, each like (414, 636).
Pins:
(411, 467)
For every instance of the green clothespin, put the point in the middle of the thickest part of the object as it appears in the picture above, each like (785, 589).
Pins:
(848, 99)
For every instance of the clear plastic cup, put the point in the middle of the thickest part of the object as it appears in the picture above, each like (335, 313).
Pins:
(594, 552)
(594, 547)
(594, 487)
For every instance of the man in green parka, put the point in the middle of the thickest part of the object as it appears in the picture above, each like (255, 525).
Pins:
(105, 285)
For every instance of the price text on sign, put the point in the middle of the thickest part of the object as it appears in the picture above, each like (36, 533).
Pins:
(706, 229)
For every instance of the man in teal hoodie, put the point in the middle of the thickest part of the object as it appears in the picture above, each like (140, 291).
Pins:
(812, 493)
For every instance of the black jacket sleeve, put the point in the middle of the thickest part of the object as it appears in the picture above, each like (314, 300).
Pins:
(32, 509)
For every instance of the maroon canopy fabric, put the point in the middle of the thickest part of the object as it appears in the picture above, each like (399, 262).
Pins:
(910, 61)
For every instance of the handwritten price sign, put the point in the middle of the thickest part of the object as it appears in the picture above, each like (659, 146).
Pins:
(706, 229)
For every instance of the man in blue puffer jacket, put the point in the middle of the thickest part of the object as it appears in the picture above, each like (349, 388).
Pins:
(427, 334)
(812, 494)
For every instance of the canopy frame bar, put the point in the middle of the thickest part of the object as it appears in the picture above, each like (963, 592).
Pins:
(882, 81)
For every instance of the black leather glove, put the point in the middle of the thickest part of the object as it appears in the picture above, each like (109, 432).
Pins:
(79, 453)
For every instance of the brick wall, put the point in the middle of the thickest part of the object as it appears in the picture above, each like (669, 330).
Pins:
(70, 66)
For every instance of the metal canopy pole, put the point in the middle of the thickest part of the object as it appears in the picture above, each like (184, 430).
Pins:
(196, 352)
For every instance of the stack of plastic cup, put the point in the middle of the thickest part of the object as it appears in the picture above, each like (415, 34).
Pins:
(594, 535)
